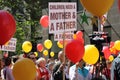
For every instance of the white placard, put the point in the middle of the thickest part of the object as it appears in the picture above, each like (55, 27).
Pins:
(62, 17)
(10, 46)
(66, 36)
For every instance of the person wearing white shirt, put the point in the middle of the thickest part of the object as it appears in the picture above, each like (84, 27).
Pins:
(79, 72)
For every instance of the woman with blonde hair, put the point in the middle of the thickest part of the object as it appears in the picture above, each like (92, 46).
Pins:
(42, 71)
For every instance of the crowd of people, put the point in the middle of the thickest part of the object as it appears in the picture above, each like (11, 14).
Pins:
(63, 69)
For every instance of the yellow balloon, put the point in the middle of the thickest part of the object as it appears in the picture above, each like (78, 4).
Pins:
(59, 44)
(117, 45)
(52, 54)
(36, 54)
(111, 58)
(27, 46)
(97, 7)
(48, 43)
(91, 54)
(45, 52)
(24, 69)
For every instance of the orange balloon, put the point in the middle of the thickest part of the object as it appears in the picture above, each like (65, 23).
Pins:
(97, 7)
(24, 69)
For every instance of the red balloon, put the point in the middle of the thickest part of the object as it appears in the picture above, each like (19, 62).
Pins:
(80, 39)
(112, 44)
(40, 47)
(79, 34)
(44, 21)
(74, 50)
(106, 52)
(7, 26)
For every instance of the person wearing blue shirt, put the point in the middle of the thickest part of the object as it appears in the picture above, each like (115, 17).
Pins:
(79, 72)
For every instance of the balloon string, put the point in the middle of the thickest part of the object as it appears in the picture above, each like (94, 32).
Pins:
(64, 46)
(100, 28)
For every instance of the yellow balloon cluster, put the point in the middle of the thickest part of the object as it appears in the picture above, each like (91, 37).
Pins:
(52, 54)
(27, 46)
(48, 43)
(91, 54)
(45, 52)
(117, 45)
(97, 7)
(24, 69)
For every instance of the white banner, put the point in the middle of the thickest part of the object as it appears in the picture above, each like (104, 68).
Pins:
(66, 36)
(62, 17)
(10, 45)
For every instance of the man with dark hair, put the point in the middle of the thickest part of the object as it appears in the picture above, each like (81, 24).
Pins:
(79, 72)
(15, 58)
(32, 56)
(7, 71)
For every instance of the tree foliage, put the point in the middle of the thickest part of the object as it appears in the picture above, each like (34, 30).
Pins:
(27, 14)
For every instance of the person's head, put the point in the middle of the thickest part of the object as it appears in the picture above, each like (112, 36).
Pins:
(32, 56)
(15, 58)
(41, 62)
(50, 65)
(81, 63)
(61, 56)
(2, 62)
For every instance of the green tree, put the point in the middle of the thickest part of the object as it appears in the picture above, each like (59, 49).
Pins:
(27, 14)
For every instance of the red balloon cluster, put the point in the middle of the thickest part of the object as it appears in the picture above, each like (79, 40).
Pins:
(106, 52)
(7, 26)
(74, 50)
(44, 21)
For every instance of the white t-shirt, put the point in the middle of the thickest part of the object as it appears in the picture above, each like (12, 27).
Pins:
(79, 74)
